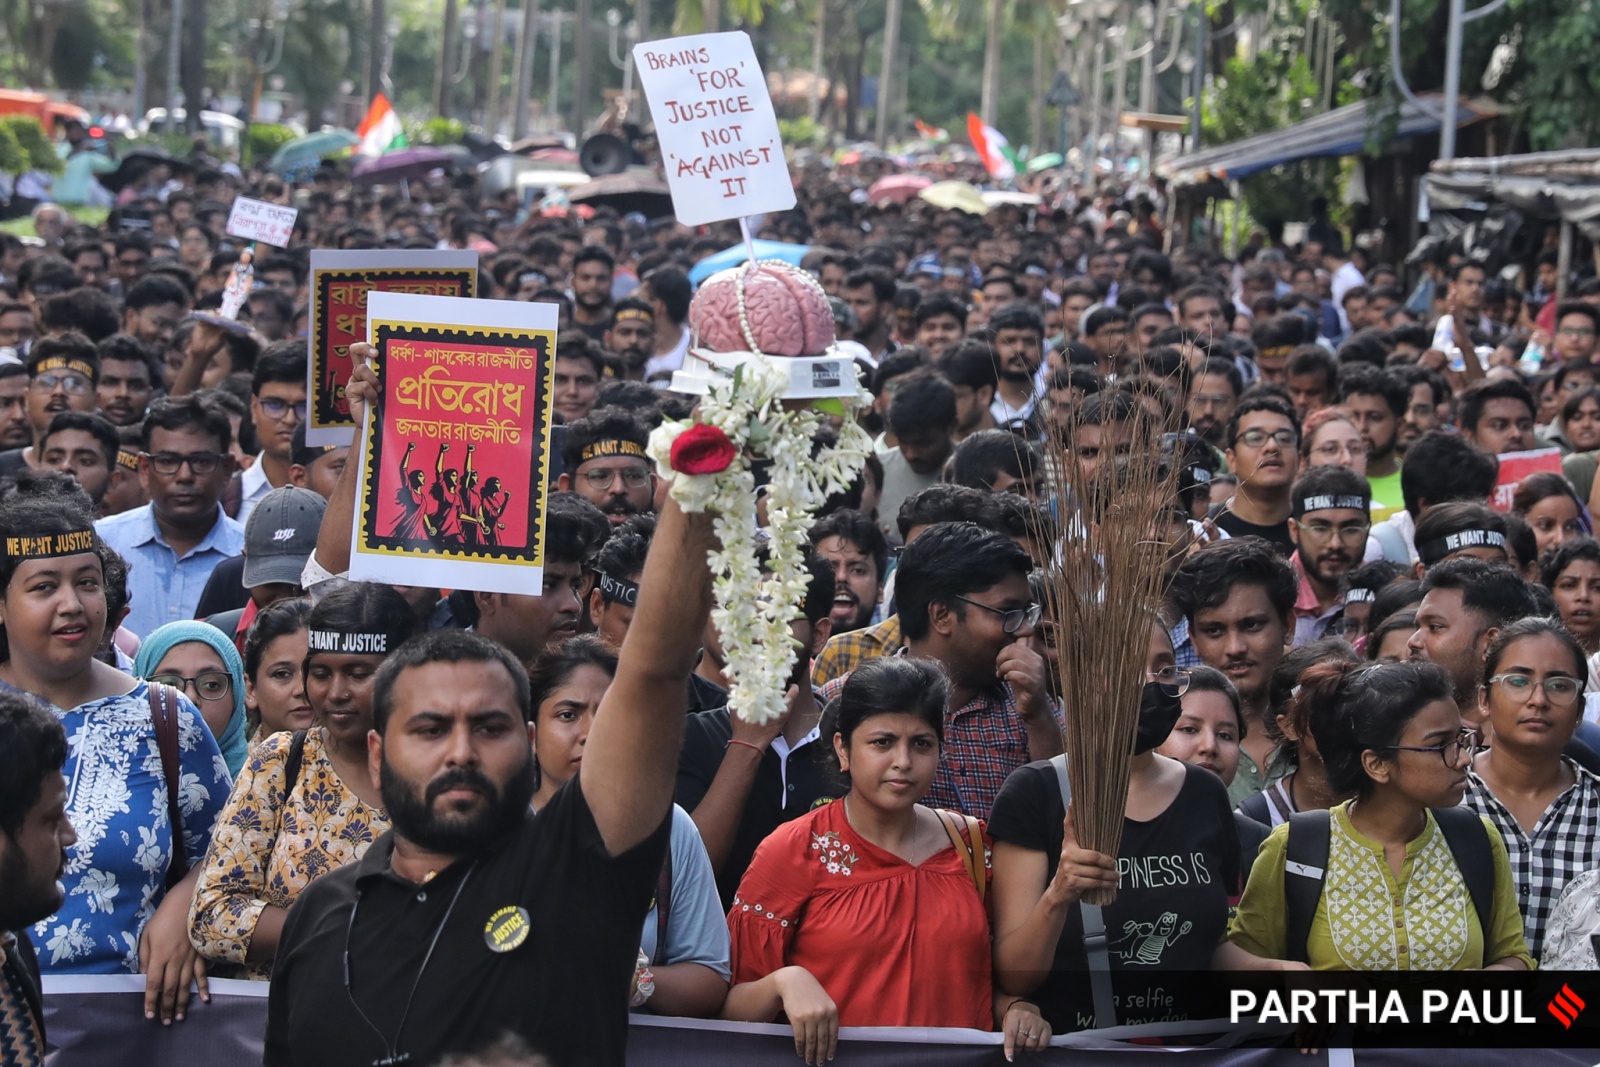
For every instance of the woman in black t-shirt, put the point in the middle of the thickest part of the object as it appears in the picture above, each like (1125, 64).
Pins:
(1179, 862)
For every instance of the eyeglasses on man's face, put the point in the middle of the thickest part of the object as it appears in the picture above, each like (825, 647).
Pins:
(71, 384)
(1258, 438)
(1013, 620)
(605, 477)
(276, 409)
(169, 463)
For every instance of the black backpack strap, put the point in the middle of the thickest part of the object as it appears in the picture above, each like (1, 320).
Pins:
(663, 904)
(1305, 868)
(164, 717)
(1468, 839)
(1096, 950)
(1255, 807)
(291, 765)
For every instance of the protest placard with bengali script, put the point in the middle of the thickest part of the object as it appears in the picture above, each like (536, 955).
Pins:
(340, 282)
(454, 461)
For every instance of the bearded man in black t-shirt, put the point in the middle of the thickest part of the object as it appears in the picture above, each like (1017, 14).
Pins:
(471, 918)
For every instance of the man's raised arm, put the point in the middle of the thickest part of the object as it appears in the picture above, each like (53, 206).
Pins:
(631, 759)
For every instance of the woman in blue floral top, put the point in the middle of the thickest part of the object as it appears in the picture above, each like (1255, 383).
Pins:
(118, 915)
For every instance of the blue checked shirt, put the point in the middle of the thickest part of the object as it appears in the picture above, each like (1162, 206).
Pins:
(163, 588)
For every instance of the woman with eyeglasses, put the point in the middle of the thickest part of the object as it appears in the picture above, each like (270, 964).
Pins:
(141, 818)
(1546, 807)
(305, 803)
(198, 660)
(1394, 896)
(1329, 437)
(1179, 864)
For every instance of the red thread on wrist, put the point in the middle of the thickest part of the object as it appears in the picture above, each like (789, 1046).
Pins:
(746, 744)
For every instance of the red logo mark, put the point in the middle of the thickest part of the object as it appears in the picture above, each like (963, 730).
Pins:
(1566, 1006)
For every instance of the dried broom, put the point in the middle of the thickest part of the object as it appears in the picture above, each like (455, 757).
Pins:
(1104, 585)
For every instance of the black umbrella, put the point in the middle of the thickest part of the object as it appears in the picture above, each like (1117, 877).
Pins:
(138, 162)
(633, 190)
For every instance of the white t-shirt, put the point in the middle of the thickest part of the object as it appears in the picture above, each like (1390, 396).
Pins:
(1345, 279)
(671, 361)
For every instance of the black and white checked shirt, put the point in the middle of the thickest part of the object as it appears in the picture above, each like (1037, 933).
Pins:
(1563, 844)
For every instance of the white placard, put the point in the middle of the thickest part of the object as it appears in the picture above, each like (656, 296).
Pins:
(259, 221)
(719, 137)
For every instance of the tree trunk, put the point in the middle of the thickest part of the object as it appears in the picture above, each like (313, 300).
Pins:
(447, 61)
(886, 75)
(991, 62)
(497, 58)
(582, 15)
(1041, 86)
(47, 26)
(819, 44)
(194, 63)
(377, 47)
(857, 64)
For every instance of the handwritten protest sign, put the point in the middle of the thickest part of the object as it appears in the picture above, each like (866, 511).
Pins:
(1515, 466)
(257, 220)
(714, 120)
(454, 462)
(340, 282)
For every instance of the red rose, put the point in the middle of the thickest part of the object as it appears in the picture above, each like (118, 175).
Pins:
(702, 449)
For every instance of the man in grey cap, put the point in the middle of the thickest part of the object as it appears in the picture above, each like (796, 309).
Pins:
(278, 539)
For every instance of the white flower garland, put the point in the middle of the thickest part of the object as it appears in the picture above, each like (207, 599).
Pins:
(752, 611)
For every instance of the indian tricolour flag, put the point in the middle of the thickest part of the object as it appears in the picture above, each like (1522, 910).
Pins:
(380, 130)
(993, 148)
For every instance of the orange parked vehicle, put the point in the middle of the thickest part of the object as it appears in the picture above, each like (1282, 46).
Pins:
(49, 112)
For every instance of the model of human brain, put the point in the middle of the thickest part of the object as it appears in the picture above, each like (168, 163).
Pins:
(775, 309)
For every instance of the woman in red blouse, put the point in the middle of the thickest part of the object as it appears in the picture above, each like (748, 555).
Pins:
(870, 910)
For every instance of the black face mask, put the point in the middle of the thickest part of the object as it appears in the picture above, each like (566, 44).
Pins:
(1158, 714)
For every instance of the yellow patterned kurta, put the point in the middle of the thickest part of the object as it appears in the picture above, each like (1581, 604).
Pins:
(265, 851)
(1369, 920)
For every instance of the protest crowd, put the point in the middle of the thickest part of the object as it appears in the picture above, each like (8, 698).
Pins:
(221, 757)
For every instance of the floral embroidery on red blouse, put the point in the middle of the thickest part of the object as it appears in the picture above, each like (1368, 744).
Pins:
(835, 855)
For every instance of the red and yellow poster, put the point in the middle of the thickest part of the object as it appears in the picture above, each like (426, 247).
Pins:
(340, 282)
(455, 460)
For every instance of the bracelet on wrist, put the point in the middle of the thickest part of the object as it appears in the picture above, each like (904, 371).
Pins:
(747, 744)
(1014, 1002)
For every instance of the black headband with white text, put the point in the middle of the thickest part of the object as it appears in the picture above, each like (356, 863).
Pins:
(609, 447)
(619, 590)
(349, 643)
(76, 366)
(47, 546)
(1433, 551)
(1330, 501)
